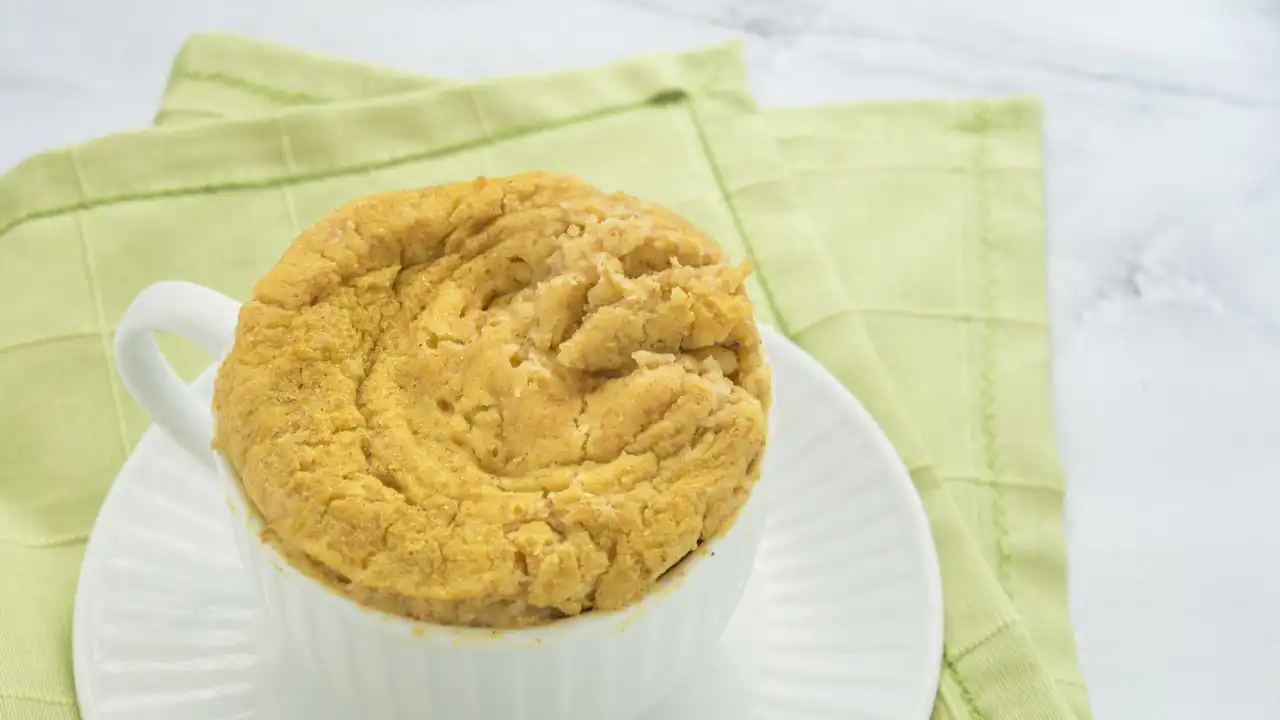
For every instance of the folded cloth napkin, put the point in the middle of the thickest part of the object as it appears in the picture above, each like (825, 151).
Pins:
(901, 244)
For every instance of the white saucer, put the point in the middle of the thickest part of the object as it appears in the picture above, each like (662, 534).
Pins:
(842, 618)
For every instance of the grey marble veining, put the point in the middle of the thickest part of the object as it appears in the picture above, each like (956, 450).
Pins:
(1163, 147)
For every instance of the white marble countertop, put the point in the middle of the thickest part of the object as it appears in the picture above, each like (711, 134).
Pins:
(1163, 127)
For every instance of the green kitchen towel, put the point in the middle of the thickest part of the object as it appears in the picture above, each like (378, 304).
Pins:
(826, 201)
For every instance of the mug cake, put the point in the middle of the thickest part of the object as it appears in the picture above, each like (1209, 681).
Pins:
(496, 403)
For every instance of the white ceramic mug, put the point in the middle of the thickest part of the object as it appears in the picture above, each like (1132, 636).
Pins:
(597, 666)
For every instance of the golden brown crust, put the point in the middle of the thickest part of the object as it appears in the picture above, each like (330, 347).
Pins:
(496, 403)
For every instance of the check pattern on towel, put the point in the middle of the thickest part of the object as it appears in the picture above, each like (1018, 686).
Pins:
(901, 244)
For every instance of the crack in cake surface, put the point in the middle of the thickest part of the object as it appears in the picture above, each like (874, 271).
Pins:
(496, 403)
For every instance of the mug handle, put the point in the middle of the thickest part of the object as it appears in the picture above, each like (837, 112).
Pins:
(203, 316)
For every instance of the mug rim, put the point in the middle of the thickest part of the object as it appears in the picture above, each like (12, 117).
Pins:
(247, 521)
